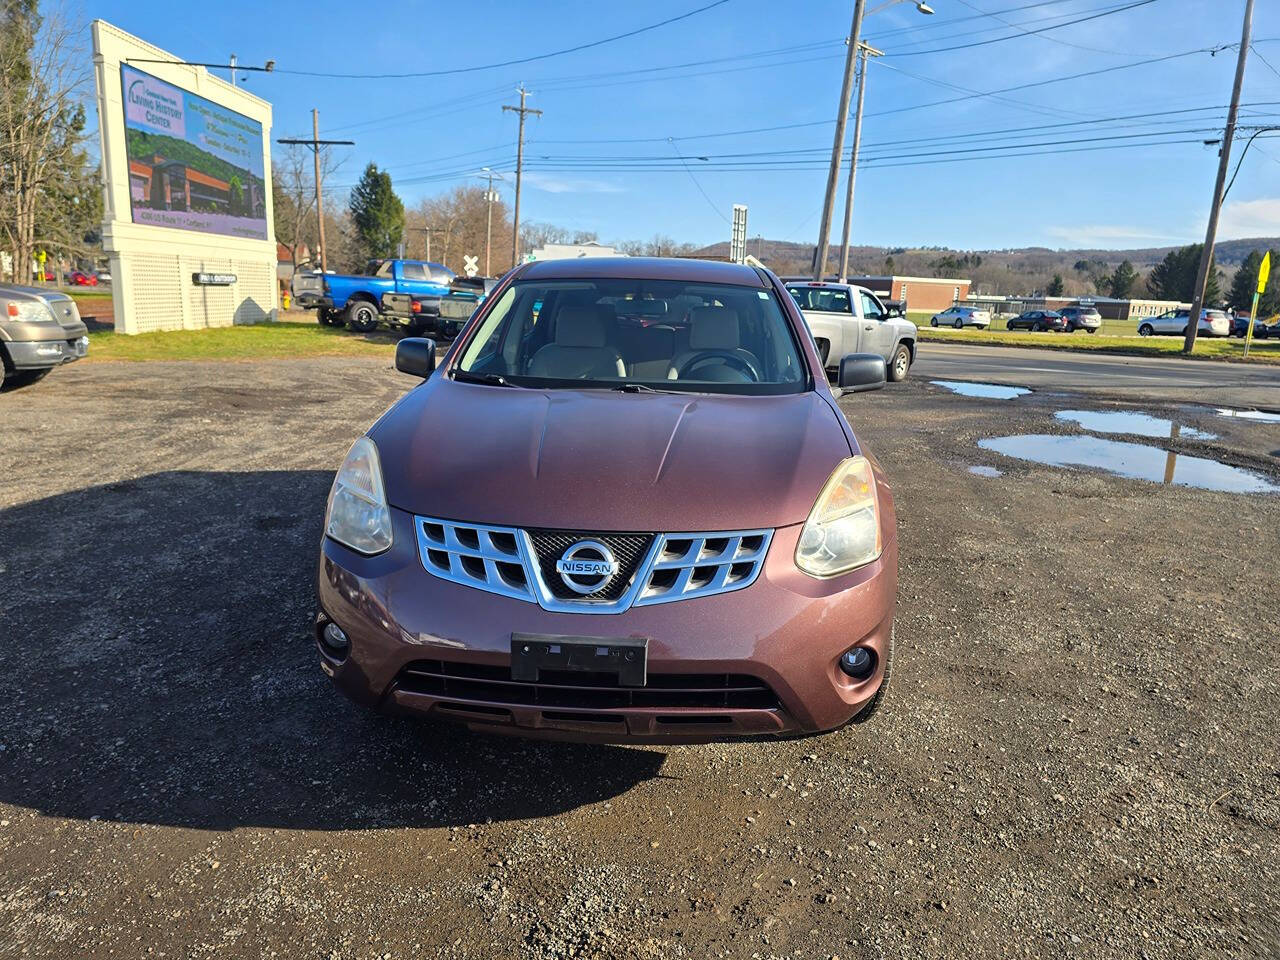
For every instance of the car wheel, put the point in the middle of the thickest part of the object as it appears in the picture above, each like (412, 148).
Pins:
(900, 364)
(1037, 327)
(362, 316)
(959, 324)
(876, 702)
(1146, 330)
(329, 318)
(824, 350)
(16, 379)
(933, 322)
(1093, 329)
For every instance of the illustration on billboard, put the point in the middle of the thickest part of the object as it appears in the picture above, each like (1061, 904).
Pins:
(193, 164)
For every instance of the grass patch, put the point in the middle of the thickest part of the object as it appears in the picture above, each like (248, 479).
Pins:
(260, 341)
(1261, 351)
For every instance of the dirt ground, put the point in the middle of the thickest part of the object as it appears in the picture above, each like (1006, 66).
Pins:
(1079, 756)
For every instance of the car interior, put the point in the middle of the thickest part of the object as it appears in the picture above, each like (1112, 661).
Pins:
(657, 332)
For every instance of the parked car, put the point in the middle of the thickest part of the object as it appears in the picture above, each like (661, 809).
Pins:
(1213, 323)
(39, 329)
(357, 300)
(490, 582)
(1240, 326)
(844, 318)
(960, 317)
(81, 279)
(1081, 318)
(104, 276)
(1037, 321)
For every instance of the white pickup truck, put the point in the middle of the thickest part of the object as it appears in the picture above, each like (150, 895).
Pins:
(845, 318)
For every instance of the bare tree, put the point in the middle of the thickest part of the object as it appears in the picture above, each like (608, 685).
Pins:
(294, 198)
(456, 223)
(43, 75)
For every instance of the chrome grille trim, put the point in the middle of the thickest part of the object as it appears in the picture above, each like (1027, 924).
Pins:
(677, 566)
(739, 550)
(454, 567)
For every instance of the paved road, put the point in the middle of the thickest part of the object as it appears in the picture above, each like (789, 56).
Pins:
(1139, 378)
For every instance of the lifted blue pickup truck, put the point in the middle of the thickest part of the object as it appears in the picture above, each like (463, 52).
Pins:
(404, 293)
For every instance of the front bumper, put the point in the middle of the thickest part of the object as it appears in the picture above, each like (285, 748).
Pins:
(39, 354)
(785, 633)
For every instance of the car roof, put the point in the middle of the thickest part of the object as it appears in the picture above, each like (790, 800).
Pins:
(643, 268)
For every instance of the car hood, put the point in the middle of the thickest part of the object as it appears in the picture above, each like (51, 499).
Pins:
(600, 460)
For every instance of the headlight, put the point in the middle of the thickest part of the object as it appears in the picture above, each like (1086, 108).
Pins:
(30, 310)
(843, 529)
(358, 516)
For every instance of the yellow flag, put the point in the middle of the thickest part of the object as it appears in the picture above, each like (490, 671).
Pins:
(1264, 272)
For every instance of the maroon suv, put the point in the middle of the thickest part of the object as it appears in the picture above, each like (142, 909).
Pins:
(587, 528)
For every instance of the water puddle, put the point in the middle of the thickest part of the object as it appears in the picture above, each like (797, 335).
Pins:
(992, 391)
(1138, 424)
(1249, 415)
(1134, 460)
(982, 470)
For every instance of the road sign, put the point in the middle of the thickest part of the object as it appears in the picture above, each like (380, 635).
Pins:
(1264, 272)
(469, 266)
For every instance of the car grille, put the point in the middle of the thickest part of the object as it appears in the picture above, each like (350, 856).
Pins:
(652, 568)
(585, 690)
(629, 549)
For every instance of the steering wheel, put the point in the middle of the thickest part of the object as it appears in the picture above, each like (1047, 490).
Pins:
(731, 359)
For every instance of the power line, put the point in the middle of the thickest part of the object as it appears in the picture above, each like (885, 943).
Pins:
(510, 63)
(996, 15)
(981, 43)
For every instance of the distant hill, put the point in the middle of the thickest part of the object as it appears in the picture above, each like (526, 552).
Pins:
(1017, 271)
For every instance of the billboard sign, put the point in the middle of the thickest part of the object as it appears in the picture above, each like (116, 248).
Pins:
(193, 164)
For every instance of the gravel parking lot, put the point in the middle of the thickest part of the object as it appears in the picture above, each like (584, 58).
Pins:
(1079, 757)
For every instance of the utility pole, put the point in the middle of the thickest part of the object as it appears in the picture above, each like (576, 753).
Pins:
(523, 110)
(866, 51)
(490, 199)
(842, 115)
(233, 69)
(315, 143)
(1224, 159)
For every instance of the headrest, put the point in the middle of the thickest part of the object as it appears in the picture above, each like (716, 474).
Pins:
(713, 328)
(580, 327)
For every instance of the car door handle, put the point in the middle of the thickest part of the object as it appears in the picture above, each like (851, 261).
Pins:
(867, 327)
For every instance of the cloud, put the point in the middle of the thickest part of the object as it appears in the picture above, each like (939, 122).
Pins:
(549, 184)
(1250, 218)
(1110, 235)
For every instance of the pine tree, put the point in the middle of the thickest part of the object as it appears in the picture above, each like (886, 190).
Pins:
(1174, 277)
(1056, 286)
(1121, 282)
(377, 213)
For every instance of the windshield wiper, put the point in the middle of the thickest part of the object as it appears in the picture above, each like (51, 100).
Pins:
(639, 388)
(493, 379)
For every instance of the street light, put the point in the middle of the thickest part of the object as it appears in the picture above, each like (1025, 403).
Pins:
(842, 116)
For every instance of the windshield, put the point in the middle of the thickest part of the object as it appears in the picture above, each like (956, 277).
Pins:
(666, 335)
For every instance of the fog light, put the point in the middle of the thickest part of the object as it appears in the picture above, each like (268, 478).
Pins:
(335, 638)
(858, 663)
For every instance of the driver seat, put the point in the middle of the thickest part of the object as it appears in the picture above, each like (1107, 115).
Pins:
(713, 328)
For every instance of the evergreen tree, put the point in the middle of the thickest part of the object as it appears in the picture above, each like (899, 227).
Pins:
(1174, 277)
(1245, 281)
(1056, 286)
(377, 213)
(1120, 284)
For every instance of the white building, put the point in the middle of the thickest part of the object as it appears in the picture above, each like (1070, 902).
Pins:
(574, 251)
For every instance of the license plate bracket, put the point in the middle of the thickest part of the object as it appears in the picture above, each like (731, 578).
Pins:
(628, 657)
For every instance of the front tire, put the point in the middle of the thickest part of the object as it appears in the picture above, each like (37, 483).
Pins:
(1146, 330)
(17, 379)
(328, 317)
(933, 322)
(900, 364)
(1037, 328)
(362, 316)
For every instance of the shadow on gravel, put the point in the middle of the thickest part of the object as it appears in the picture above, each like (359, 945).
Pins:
(157, 669)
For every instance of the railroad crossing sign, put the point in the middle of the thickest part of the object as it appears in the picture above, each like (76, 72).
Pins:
(469, 265)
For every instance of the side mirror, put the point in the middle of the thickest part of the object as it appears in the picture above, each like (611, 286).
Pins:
(416, 356)
(860, 372)
(894, 311)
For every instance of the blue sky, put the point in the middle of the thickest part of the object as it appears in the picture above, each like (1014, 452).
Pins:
(760, 64)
